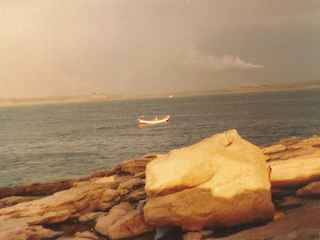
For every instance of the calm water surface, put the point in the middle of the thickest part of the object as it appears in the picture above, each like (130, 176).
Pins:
(71, 140)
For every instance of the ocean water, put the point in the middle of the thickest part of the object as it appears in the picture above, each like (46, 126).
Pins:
(43, 142)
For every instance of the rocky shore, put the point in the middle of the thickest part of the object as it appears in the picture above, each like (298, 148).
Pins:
(220, 188)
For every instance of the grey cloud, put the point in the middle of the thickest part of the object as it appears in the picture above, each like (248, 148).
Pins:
(76, 47)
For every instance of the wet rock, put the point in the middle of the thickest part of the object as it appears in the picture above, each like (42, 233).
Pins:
(221, 181)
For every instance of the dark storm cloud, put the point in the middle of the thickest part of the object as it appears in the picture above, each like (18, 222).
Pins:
(78, 47)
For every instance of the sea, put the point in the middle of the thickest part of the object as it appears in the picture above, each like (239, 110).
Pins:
(44, 142)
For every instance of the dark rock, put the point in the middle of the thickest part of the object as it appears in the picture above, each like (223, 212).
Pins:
(37, 189)
(290, 202)
(300, 223)
(312, 189)
(137, 165)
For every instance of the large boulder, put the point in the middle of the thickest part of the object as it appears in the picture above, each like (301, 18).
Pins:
(220, 181)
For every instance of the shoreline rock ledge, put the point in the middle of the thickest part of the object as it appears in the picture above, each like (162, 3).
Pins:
(221, 181)
(220, 188)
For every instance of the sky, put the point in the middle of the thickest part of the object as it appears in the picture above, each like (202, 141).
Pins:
(77, 47)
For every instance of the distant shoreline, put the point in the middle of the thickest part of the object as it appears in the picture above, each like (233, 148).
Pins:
(104, 97)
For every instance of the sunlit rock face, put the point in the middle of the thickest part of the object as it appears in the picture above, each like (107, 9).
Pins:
(220, 181)
(297, 166)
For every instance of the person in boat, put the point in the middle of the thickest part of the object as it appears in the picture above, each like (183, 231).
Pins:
(141, 117)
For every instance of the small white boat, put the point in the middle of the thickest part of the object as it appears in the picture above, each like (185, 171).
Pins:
(155, 120)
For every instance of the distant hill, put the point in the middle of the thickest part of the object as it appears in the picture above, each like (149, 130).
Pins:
(310, 84)
(315, 83)
(95, 97)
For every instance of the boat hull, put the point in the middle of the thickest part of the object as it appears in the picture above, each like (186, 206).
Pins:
(154, 121)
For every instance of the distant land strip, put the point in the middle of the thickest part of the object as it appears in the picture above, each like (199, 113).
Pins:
(95, 97)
